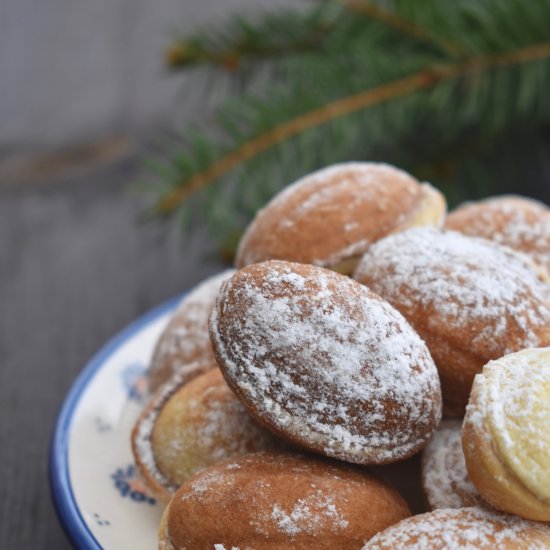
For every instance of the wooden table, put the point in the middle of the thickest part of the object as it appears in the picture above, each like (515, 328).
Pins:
(76, 266)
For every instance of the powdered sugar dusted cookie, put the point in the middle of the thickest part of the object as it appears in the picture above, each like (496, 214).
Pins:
(518, 222)
(463, 529)
(190, 425)
(444, 477)
(269, 501)
(330, 217)
(325, 363)
(470, 299)
(185, 340)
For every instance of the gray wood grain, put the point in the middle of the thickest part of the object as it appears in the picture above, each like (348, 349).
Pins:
(74, 71)
(76, 266)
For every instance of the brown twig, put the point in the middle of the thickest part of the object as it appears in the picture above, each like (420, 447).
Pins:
(400, 23)
(420, 80)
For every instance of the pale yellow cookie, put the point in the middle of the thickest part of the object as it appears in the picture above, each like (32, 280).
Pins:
(506, 434)
(189, 426)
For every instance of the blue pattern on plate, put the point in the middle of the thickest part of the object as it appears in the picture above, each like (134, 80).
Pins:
(102, 522)
(130, 486)
(134, 379)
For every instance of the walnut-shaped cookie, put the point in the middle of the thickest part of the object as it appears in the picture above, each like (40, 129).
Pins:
(325, 363)
(470, 299)
(185, 343)
(506, 433)
(330, 217)
(463, 529)
(269, 501)
(190, 425)
(518, 222)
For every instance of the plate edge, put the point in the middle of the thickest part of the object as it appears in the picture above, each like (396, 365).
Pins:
(61, 492)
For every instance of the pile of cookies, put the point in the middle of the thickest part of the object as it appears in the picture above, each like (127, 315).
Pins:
(358, 315)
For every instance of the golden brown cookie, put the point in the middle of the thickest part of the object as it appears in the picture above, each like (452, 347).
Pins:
(189, 426)
(518, 222)
(470, 299)
(330, 217)
(325, 363)
(444, 477)
(269, 501)
(506, 434)
(185, 340)
(463, 529)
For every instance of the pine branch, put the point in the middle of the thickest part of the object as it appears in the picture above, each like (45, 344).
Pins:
(290, 129)
(421, 80)
(392, 19)
(275, 37)
(459, 74)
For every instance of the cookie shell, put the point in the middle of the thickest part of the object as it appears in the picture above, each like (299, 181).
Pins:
(185, 339)
(470, 299)
(463, 529)
(444, 476)
(269, 501)
(506, 436)
(144, 457)
(330, 217)
(518, 222)
(325, 363)
(201, 424)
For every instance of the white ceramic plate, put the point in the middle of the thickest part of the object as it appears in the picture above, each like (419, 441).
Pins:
(99, 499)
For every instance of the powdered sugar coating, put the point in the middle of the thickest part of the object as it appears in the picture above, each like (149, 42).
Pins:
(470, 299)
(520, 223)
(463, 529)
(464, 280)
(325, 362)
(185, 339)
(444, 476)
(308, 513)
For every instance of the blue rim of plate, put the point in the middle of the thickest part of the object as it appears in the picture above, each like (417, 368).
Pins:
(67, 509)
